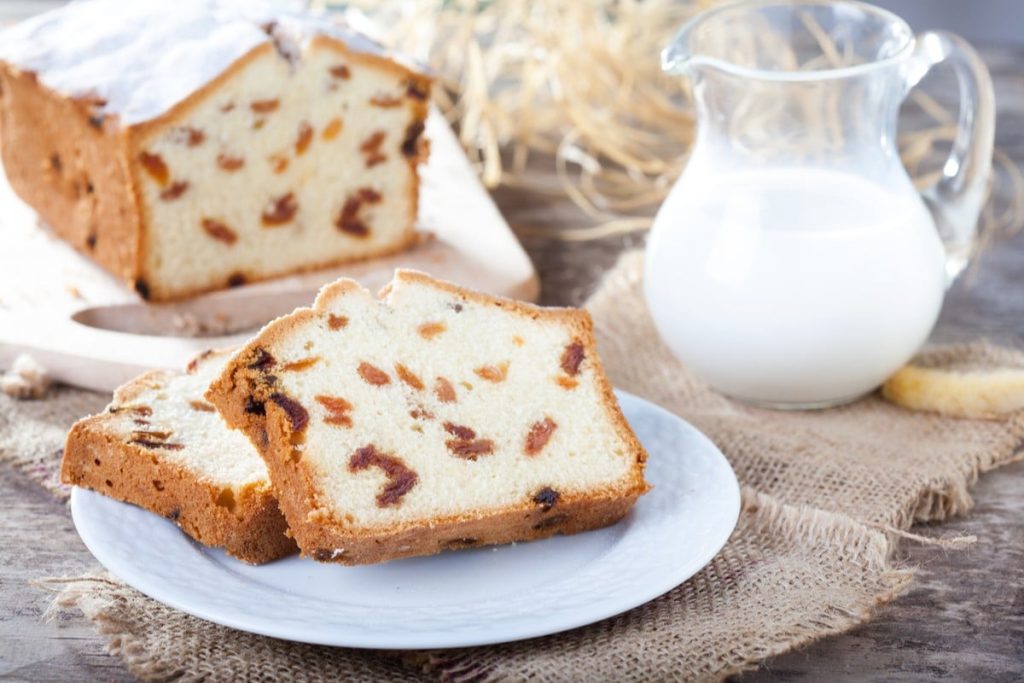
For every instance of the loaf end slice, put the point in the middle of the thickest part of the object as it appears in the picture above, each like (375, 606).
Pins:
(437, 418)
(161, 446)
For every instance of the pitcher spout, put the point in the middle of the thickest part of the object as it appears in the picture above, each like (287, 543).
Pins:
(677, 56)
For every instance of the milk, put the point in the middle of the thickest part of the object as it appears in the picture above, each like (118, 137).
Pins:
(793, 286)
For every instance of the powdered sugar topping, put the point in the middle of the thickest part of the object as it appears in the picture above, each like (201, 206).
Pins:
(139, 59)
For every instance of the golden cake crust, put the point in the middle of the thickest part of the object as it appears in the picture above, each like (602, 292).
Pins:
(321, 535)
(69, 164)
(250, 527)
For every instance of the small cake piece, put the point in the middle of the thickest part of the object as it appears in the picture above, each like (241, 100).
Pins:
(979, 393)
(162, 446)
(435, 419)
(196, 145)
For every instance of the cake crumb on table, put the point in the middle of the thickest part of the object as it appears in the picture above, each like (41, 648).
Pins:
(26, 379)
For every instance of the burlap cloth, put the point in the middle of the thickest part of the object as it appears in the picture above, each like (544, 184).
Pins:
(825, 496)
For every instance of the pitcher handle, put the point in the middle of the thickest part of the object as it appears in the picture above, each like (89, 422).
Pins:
(956, 198)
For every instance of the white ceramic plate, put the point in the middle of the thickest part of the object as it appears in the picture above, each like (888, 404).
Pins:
(455, 599)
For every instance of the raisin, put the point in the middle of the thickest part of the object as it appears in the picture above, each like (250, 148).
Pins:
(202, 406)
(332, 129)
(155, 167)
(236, 279)
(174, 514)
(417, 90)
(539, 435)
(230, 163)
(193, 136)
(305, 137)
(254, 407)
(444, 391)
(341, 71)
(174, 191)
(327, 554)
(421, 413)
(349, 220)
(226, 499)
(225, 108)
(144, 411)
(493, 373)
(265, 106)
(337, 410)
(566, 383)
(336, 322)
(219, 231)
(156, 445)
(55, 162)
(469, 450)
(90, 241)
(408, 377)
(151, 435)
(300, 365)
(373, 375)
(158, 485)
(457, 308)
(572, 357)
(371, 149)
(546, 498)
(401, 479)
(411, 141)
(553, 520)
(193, 364)
(296, 413)
(280, 210)
(92, 99)
(431, 329)
(385, 101)
(142, 288)
(464, 433)
(262, 360)
(279, 163)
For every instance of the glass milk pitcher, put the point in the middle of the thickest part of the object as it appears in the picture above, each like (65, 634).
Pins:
(794, 264)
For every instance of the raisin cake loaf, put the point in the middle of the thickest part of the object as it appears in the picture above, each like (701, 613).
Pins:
(161, 446)
(194, 145)
(435, 419)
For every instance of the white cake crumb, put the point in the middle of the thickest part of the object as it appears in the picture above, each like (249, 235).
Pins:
(26, 379)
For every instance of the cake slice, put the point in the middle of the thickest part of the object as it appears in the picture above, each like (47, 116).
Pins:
(435, 419)
(161, 446)
(195, 145)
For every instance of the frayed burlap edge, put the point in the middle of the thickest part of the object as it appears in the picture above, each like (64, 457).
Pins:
(95, 596)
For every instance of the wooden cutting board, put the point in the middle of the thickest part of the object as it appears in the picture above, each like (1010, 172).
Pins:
(91, 331)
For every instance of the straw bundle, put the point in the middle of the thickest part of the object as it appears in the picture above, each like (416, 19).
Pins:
(576, 86)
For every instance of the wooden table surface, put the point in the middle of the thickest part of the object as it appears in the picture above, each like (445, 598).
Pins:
(962, 619)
